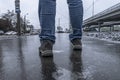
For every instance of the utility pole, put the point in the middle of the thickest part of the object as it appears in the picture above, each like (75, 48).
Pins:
(25, 25)
(70, 25)
(93, 4)
(17, 10)
(59, 22)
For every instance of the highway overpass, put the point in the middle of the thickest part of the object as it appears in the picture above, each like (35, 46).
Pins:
(111, 15)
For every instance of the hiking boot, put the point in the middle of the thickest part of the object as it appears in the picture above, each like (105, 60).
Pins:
(46, 48)
(77, 45)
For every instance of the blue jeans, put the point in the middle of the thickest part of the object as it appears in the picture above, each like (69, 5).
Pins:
(47, 13)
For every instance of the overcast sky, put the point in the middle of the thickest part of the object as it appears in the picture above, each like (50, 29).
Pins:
(31, 7)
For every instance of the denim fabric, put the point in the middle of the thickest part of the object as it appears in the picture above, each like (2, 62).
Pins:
(47, 13)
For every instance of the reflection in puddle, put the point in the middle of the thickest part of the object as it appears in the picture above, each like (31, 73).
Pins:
(48, 68)
(64, 74)
(75, 72)
(88, 72)
(109, 44)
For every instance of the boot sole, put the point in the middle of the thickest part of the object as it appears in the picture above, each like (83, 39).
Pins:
(46, 53)
(77, 47)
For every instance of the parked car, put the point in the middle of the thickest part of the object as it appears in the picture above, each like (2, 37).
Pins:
(1, 32)
(11, 33)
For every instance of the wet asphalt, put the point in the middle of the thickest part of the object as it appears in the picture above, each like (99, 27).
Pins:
(20, 60)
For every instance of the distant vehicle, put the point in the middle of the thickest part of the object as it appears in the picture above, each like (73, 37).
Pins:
(11, 33)
(1, 32)
(35, 32)
(60, 31)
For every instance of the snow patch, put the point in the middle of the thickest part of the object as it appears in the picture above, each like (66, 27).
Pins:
(107, 36)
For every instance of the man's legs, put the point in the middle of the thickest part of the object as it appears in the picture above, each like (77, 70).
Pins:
(47, 11)
(76, 18)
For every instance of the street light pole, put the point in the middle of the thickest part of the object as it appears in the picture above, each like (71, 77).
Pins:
(17, 10)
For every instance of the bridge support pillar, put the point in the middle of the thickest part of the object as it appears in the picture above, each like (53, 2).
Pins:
(110, 31)
(113, 28)
(110, 28)
(99, 29)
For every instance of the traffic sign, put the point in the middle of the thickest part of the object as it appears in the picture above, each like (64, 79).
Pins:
(17, 11)
(17, 6)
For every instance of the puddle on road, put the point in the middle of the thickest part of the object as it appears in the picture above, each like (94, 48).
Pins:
(64, 74)
(109, 44)
(88, 72)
